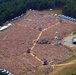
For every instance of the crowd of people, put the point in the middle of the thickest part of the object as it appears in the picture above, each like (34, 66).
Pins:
(16, 40)
(37, 19)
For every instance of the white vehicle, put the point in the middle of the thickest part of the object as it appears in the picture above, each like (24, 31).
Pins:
(74, 40)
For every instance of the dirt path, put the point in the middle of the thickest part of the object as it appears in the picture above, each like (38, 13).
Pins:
(73, 62)
(38, 39)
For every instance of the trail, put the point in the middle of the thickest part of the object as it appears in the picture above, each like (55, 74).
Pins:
(38, 39)
(66, 63)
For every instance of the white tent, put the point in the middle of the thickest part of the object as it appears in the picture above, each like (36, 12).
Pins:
(5, 27)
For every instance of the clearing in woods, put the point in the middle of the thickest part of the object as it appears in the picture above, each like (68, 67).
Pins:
(15, 41)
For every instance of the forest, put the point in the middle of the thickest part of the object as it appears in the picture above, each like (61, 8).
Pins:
(2, 74)
(10, 9)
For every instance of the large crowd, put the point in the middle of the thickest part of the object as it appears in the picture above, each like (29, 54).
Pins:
(20, 36)
(54, 54)
(37, 19)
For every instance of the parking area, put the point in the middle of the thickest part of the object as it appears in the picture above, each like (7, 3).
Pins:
(68, 41)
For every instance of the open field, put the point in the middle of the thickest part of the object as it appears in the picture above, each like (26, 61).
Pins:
(15, 41)
(66, 69)
(70, 59)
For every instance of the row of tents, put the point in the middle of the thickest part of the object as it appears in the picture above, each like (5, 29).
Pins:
(67, 17)
(15, 18)
(5, 72)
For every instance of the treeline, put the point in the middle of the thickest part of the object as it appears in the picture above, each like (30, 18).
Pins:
(44, 4)
(2, 73)
(70, 9)
(10, 9)
(13, 8)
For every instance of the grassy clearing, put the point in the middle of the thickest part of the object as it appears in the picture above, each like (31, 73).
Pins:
(74, 33)
(70, 59)
(67, 69)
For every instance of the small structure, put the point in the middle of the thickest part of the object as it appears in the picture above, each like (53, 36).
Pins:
(56, 38)
(30, 9)
(42, 42)
(28, 51)
(5, 27)
(56, 33)
(12, 19)
(9, 24)
(51, 9)
(52, 67)
(55, 15)
(40, 29)
(74, 40)
(45, 62)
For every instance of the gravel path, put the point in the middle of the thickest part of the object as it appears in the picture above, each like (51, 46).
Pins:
(68, 41)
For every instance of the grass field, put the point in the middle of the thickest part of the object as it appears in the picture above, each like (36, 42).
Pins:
(70, 59)
(66, 69)
(74, 32)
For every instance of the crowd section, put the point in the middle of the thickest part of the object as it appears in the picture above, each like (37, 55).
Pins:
(63, 29)
(37, 19)
(15, 41)
(54, 54)
(13, 45)
(18, 65)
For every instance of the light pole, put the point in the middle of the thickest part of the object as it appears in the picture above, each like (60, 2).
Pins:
(56, 38)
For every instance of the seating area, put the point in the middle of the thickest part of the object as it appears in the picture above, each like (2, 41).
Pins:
(17, 41)
(67, 18)
(37, 20)
(63, 30)
(55, 54)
